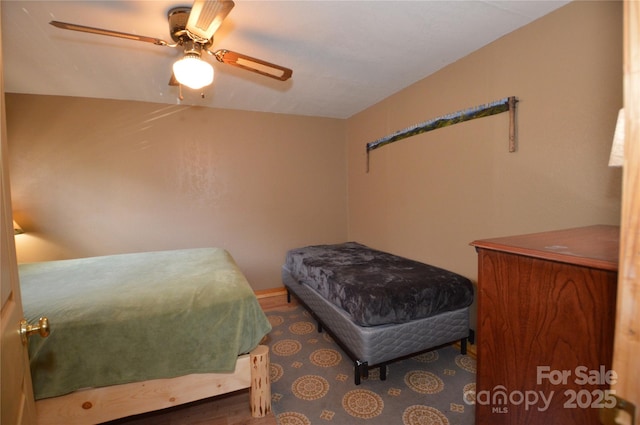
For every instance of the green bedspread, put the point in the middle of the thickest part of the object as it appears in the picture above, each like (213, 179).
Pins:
(133, 317)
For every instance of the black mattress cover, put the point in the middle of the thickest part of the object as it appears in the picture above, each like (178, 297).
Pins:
(375, 287)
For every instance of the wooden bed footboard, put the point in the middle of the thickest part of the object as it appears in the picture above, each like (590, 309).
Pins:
(96, 405)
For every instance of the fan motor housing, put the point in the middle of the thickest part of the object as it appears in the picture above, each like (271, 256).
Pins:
(178, 17)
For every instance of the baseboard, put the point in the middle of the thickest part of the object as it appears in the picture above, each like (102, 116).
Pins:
(273, 299)
(471, 350)
(273, 292)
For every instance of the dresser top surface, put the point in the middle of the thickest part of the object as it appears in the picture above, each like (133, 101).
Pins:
(592, 246)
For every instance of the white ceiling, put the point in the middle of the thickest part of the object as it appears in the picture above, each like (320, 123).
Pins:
(345, 55)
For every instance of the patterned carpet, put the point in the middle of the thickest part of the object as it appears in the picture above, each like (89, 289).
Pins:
(312, 382)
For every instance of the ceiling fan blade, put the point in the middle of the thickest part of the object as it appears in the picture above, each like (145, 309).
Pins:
(100, 31)
(252, 64)
(206, 16)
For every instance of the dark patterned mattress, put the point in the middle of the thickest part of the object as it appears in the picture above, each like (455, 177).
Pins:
(376, 287)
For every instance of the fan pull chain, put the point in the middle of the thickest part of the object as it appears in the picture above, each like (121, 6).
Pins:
(181, 97)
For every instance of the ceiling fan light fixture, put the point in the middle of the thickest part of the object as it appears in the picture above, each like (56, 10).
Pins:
(193, 72)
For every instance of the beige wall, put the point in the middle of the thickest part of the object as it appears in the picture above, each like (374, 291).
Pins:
(427, 197)
(93, 177)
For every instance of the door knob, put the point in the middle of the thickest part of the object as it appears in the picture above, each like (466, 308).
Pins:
(26, 330)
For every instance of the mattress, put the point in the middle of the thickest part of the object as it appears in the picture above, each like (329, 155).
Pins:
(374, 345)
(133, 317)
(376, 288)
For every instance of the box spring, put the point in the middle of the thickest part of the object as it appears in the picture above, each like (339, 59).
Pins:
(371, 346)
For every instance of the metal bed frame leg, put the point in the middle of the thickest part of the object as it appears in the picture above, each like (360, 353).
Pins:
(383, 372)
(463, 346)
(360, 369)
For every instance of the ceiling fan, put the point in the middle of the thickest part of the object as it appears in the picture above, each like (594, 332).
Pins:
(192, 28)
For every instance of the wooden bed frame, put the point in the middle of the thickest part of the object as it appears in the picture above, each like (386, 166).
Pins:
(96, 405)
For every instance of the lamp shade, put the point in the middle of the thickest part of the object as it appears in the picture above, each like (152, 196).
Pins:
(616, 157)
(193, 72)
(17, 230)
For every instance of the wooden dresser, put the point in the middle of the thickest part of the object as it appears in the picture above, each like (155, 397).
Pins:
(546, 316)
